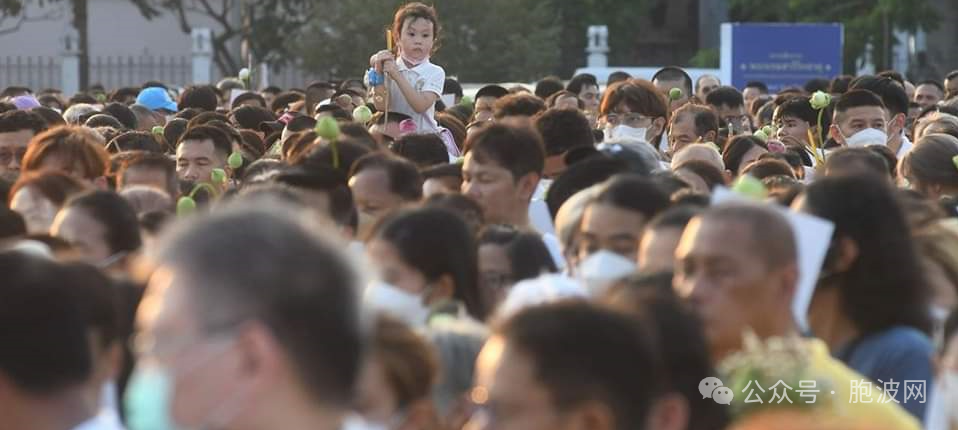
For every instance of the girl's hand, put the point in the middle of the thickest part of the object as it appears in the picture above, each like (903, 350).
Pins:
(377, 60)
(389, 66)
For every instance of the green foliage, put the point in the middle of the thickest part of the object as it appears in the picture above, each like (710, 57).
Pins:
(706, 58)
(866, 21)
(491, 40)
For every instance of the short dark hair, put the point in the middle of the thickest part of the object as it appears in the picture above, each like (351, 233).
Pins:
(617, 76)
(136, 141)
(311, 306)
(201, 97)
(798, 107)
(124, 93)
(122, 113)
(763, 168)
(404, 178)
(518, 105)
(250, 117)
(495, 91)
(437, 242)
(284, 99)
(933, 83)
(150, 160)
(173, 130)
(452, 86)
(875, 295)
(725, 96)
(623, 369)
(563, 129)
(639, 95)
(328, 180)
(839, 84)
(527, 254)
(759, 85)
(893, 75)
(517, 149)
(593, 170)
(343, 155)
(17, 120)
(857, 161)
(115, 214)
(547, 87)
(674, 217)
(203, 118)
(891, 92)
(675, 73)
(103, 120)
(237, 102)
(11, 223)
(856, 98)
(51, 117)
(578, 81)
(816, 84)
(272, 89)
(633, 193)
(221, 141)
(39, 314)
(423, 150)
(651, 299)
(380, 118)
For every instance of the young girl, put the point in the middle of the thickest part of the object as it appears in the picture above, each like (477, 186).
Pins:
(414, 84)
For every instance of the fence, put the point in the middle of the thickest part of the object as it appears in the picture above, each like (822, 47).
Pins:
(118, 71)
(32, 72)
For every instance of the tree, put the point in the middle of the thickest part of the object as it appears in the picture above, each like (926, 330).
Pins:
(492, 40)
(267, 26)
(866, 21)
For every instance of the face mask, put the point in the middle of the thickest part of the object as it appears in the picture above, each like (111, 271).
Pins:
(147, 398)
(624, 131)
(942, 410)
(601, 269)
(867, 137)
(357, 422)
(409, 307)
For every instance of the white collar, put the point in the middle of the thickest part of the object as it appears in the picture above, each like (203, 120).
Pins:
(401, 64)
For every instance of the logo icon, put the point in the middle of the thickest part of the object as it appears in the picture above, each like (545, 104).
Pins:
(708, 385)
(723, 395)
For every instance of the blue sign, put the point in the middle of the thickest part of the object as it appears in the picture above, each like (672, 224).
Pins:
(780, 55)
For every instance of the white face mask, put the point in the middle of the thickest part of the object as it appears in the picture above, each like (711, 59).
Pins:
(867, 137)
(408, 307)
(599, 270)
(942, 412)
(622, 130)
(357, 422)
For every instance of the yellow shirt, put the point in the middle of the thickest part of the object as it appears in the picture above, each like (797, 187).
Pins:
(858, 404)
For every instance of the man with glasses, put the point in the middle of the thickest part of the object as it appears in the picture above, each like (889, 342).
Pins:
(16, 129)
(730, 105)
(230, 339)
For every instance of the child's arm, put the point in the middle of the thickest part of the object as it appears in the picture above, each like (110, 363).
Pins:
(419, 101)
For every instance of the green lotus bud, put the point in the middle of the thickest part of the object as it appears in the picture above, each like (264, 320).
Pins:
(675, 94)
(185, 206)
(157, 130)
(954, 160)
(362, 114)
(244, 74)
(327, 128)
(218, 176)
(761, 135)
(466, 101)
(820, 100)
(748, 185)
(235, 161)
(101, 98)
(769, 130)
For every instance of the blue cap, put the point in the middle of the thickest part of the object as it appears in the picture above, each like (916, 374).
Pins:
(156, 98)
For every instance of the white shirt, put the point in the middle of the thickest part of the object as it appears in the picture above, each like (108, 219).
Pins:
(541, 221)
(426, 77)
(905, 147)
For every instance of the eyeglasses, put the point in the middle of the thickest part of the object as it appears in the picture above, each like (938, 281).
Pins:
(628, 119)
(6, 156)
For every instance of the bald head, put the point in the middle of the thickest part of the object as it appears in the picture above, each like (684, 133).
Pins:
(768, 234)
(699, 151)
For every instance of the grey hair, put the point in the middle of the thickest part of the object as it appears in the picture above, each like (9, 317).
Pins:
(699, 151)
(147, 199)
(73, 114)
(649, 156)
(937, 122)
(570, 214)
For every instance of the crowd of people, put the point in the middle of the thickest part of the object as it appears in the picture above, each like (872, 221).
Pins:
(389, 253)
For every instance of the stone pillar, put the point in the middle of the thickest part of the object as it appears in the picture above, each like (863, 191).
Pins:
(597, 47)
(70, 63)
(202, 55)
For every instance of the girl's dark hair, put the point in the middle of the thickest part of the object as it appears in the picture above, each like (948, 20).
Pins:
(736, 149)
(437, 242)
(528, 255)
(930, 161)
(885, 286)
(414, 11)
(761, 169)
